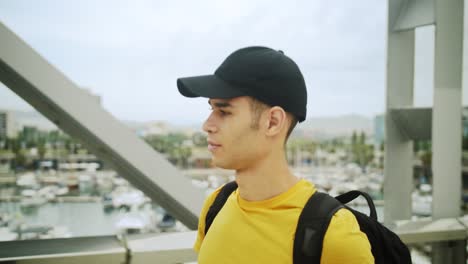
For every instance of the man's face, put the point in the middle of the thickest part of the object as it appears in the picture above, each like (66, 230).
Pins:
(232, 141)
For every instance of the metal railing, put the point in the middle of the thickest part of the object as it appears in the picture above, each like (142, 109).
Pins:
(177, 247)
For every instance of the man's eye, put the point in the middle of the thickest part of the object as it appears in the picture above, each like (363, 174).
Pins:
(221, 112)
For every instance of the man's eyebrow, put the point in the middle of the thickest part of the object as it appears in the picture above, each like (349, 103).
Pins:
(220, 104)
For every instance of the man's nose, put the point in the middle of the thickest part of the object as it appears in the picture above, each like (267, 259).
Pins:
(209, 126)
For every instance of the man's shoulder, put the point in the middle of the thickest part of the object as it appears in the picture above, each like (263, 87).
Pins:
(344, 214)
(344, 219)
(344, 227)
(215, 193)
(212, 196)
(345, 236)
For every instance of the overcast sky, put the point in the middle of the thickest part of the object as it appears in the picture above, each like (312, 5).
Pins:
(131, 52)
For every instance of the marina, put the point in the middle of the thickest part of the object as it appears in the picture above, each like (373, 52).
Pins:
(78, 220)
(108, 205)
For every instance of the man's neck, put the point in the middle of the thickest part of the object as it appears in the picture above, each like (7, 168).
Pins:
(268, 178)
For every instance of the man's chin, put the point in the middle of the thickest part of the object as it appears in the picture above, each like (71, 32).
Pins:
(221, 165)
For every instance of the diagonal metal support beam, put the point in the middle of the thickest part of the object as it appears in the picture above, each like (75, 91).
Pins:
(413, 14)
(48, 90)
(414, 123)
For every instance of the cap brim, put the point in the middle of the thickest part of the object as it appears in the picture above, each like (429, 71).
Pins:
(209, 86)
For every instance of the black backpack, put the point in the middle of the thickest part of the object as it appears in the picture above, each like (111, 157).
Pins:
(314, 220)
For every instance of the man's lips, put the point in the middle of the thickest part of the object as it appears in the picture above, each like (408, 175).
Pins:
(212, 145)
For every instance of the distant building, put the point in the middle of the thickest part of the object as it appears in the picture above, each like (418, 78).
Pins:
(379, 130)
(7, 124)
(200, 158)
(155, 128)
(5, 163)
(31, 133)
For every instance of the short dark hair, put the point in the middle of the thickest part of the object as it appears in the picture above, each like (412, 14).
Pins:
(292, 125)
(257, 107)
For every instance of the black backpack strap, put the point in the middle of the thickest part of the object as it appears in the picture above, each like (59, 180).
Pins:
(218, 203)
(312, 225)
(351, 195)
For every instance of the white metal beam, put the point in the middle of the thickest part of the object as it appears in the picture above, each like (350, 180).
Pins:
(103, 249)
(398, 168)
(39, 83)
(447, 112)
(446, 125)
(429, 231)
(167, 248)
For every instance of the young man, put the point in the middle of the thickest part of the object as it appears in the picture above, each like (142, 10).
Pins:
(257, 96)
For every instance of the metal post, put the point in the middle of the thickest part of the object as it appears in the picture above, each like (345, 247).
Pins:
(446, 123)
(398, 148)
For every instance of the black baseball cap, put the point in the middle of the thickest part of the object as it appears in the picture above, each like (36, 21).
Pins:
(263, 73)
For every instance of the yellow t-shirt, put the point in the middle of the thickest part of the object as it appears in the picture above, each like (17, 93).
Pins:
(263, 231)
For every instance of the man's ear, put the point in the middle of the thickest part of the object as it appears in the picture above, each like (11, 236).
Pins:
(276, 121)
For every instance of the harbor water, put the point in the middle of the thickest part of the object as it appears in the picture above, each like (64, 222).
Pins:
(81, 219)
